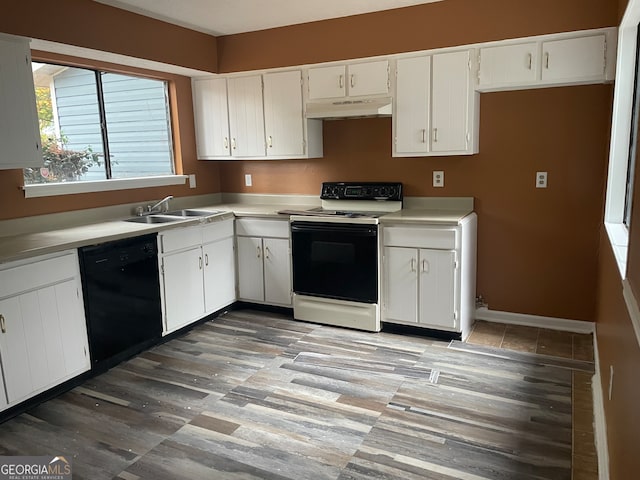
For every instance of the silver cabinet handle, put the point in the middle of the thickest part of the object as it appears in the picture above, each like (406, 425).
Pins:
(266, 253)
(341, 81)
(200, 262)
(546, 60)
(226, 143)
(529, 60)
(425, 266)
(206, 259)
(435, 134)
(258, 252)
(352, 80)
(413, 264)
(233, 143)
(270, 141)
(3, 325)
(424, 135)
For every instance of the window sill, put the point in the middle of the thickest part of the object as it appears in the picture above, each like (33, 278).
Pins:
(619, 238)
(70, 188)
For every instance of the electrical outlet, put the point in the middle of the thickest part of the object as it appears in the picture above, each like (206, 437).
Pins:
(192, 180)
(610, 381)
(438, 178)
(247, 180)
(541, 179)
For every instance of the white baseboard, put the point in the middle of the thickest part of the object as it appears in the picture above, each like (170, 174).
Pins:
(575, 326)
(600, 423)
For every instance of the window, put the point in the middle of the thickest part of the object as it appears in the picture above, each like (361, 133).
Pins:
(622, 153)
(633, 140)
(97, 125)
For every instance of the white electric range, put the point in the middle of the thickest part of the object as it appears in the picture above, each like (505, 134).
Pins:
(336, 254)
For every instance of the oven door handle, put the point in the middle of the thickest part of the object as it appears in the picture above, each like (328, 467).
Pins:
(359, 230)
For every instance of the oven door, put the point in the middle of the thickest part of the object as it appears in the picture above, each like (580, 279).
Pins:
(335, 260)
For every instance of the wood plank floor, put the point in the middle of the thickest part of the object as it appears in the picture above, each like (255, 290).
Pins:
(254, 395)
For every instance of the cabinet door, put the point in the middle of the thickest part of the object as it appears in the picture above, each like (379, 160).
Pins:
(327, 82)
(412, 105)
(14, 352)
(219, 274)
(283, 113)
(450, 102)
(246, 116)
(211, 117)
(509, 65)
(574, 59)
(400, 285)
(437, 288)
(183, 288)
(277, 271)
(73, 327)
(19, 131)
(370, 78)
(42, 331)
(250, 269)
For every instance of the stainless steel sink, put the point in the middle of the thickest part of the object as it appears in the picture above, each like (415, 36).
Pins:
(154, 219)
(192, 213)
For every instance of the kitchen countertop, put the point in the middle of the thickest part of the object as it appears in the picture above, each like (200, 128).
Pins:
(27, 245)
(426, 216)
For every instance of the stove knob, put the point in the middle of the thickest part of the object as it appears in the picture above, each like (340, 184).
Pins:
(384, 191)
(392, 192)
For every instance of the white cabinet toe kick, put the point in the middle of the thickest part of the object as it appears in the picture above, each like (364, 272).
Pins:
(339, 313)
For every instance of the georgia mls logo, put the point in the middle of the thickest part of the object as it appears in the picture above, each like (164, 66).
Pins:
(35, 468)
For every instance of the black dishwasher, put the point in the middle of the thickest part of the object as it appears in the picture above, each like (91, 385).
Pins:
(121, 290)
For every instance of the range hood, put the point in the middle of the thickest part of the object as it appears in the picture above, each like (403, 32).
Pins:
(367, 107)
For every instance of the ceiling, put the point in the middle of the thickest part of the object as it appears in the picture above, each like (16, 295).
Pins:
(226, 17)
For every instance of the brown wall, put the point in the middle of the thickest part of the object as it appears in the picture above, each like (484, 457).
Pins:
(90, 24)
(618, 347)
(433, 25)
(537, 249)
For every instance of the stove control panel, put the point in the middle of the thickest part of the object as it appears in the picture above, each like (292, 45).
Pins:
(361, 191)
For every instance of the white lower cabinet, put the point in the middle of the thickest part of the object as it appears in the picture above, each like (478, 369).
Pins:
(198, 272)
(264, 265)
(420, 286)
(428, 275)
(43, 339)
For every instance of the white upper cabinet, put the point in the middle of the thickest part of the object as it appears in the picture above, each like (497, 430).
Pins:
(551, 60)
(370, 78)
(327, 82)
(436, 106)
(357, 79)
(453, 104)
(574, 59)
(412, 106)
(19, 131)
(509, 65)
(211, 118)
(283, 113)
(246, 116)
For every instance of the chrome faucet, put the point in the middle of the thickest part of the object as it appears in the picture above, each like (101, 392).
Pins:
(164, 203)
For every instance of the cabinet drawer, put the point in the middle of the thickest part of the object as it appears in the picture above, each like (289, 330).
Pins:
(439, 238)
(180, 238)
(258, 227)
(217, 231)
(37, 274)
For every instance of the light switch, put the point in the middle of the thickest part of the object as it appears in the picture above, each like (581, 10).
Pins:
(541, 179)
(247, 180)
(192, 180)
